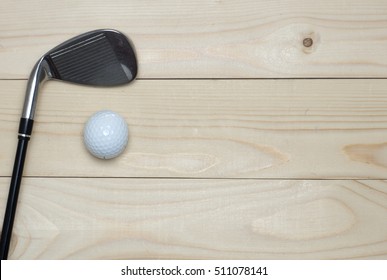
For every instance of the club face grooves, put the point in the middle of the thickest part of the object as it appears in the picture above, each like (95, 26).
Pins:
(100, 58)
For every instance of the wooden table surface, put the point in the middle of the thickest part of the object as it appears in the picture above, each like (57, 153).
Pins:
(258, 130)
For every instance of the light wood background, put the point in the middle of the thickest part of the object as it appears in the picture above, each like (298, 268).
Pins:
(244, 143)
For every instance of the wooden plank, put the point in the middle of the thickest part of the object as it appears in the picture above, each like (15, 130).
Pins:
(199, 219)
(208, 39)
(217, 129)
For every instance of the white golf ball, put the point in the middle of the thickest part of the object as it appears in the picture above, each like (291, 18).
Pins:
(106, 134)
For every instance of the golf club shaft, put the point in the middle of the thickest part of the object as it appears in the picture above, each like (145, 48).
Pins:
(14, 188)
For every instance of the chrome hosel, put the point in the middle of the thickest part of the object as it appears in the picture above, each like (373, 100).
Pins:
(40, 73)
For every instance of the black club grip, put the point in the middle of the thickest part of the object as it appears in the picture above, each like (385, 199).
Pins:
(25, 130)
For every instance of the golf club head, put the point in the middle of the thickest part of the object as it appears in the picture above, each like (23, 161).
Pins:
(98, 58)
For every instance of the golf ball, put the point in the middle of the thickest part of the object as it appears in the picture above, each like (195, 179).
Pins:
(106, 134)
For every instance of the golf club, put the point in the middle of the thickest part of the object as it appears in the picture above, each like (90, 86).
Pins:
(98, 58)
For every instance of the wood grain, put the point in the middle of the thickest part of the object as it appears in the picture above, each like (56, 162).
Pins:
(209, 128)
(199, 219)
(218, 166)
(209, 39)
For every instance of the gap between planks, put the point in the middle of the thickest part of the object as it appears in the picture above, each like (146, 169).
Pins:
(201, 178)
(269, 78)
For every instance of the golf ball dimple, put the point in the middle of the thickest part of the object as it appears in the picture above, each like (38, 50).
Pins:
(106, 134)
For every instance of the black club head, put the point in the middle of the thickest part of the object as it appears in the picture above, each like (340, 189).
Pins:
(102, 57)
